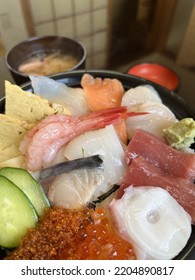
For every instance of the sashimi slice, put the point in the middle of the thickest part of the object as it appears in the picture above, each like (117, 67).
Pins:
(73, 190)
(107, 145)
(102, 93)
(161, 155)
(72, 98)
(143, 173)
(140, 95)
(159, 118)
(152, 220)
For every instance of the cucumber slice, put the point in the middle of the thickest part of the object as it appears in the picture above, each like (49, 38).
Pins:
(17, 214)
(23, 179)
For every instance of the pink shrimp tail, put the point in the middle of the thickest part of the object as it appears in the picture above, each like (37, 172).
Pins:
(133, 114)
(113, 116)
(110, 116)
(104, 113)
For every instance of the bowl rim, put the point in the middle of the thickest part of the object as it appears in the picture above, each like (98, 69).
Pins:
(169, 94)
(37, 38)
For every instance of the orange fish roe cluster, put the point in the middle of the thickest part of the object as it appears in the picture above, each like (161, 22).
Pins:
(55, 232)
(98, 240)
(102, 241)
(70, 234)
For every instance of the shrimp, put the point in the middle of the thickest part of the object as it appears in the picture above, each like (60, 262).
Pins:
(121, 131)
(102, 93)
(42, 143)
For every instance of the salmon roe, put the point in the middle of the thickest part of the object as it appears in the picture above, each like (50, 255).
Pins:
(98, 240)
(78, 235)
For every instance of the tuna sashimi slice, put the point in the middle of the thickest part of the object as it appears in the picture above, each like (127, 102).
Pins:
(143, 173)
(157, 152)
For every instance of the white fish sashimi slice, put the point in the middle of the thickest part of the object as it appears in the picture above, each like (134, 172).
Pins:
(105, 143)
(140, 95)
(159, 117)
(157, 108)
(152, 220)
(76, 102)
(74, 189)
(72, 98)
(48, 88)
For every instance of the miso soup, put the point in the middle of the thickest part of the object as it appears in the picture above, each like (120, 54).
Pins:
(47, 64)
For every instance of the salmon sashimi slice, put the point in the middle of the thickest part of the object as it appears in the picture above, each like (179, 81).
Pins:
(102, 93)
(157, 152)
(143, 173)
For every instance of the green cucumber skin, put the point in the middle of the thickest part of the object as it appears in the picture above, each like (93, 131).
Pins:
(17, 214)
(29, 186)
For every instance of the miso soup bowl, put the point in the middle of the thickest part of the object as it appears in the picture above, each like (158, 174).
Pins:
(42, 46)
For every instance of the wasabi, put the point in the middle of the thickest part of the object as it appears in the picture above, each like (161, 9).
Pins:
(181, 134)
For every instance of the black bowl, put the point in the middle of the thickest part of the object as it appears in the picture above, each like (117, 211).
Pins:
(178, 106)
(39, 46)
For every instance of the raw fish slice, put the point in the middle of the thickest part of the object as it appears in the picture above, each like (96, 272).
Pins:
(70, 165)
(159, 118)
(71, 98)
(160, 154)
(76, 102)
(140, 95)
(73, 190)
(152, 220)
(102, 93)
(106, 144)
(143, 173)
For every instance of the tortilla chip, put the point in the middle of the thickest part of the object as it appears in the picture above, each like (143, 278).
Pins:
(27, 106)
